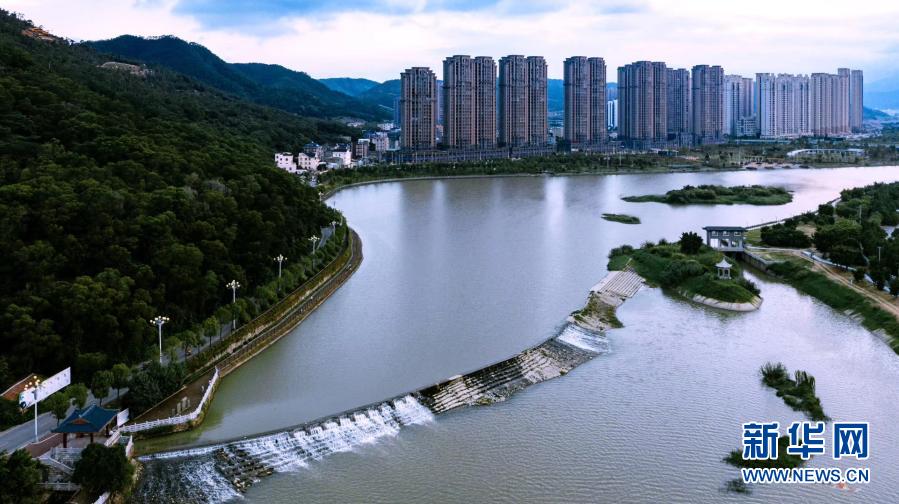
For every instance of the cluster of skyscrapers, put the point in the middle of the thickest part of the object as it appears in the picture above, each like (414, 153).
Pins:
(656, 106)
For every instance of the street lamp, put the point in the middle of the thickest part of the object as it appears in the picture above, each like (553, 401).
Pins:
(280, 260)
(158, 321)
(314, 239)
(333, 226)
(36, 383)
(233, 285)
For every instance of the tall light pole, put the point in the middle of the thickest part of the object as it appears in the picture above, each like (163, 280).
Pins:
(280, 258)
(159, 321)
(233, 285)
(314, 239)
(36, 383)
(333, 227)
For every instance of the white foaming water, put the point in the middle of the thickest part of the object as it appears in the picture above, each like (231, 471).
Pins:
(284, 451)
(581, 338)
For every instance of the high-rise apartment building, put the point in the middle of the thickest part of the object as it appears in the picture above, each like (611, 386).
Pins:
(791, 106)
(585, 100)
(469, 102)
(765, 101)
(708, 103)
(738, 100)
(485, 101)
(538, 102)
(843, 97)
(856, 99)
(418, 104)
(522, 101)
(678, 108)
(642, 103)
(829, 104)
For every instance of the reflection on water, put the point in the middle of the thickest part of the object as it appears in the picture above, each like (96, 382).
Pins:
(459, 273)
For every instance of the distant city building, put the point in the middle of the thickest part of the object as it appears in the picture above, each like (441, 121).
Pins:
(485, 101)
(284, 160)
(765, 103)
(522, 104)
(738, 93)
(856, 100)
(307, 163)
(791, 102)
(585, 100)
(418, 106)
(829, 104)
(380, 140)
(678, 96)
(843, 98)
(707, 103)
(314, 150)
(362, 147)
(612, 113)
(642, 104)
(386, 126)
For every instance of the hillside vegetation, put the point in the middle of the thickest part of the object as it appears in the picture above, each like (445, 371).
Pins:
(123, 197)
(271, 85)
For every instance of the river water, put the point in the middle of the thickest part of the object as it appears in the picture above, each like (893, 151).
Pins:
(461, 273)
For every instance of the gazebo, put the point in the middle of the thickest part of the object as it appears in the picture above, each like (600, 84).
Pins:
(723, 269)
(91, 420)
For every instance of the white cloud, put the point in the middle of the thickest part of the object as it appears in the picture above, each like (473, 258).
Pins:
(747, 37)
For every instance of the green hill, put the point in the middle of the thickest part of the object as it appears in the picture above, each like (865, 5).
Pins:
(125, 196)
(271, 85)
(348, 85)
(382, 95)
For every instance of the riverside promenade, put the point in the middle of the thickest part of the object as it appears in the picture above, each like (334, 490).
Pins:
(262, 332)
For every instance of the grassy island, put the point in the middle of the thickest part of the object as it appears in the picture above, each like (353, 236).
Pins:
(718, 195)
(687, 266)
(797, 392)
(784, 459)
(622, 218)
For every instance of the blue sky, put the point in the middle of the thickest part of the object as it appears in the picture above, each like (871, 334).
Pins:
(377, 39)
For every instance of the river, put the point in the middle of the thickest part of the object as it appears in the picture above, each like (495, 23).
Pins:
(464, 272)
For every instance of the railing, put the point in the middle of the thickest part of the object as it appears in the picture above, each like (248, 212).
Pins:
(175, 420)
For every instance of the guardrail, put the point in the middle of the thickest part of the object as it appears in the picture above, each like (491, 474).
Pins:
(175, 420)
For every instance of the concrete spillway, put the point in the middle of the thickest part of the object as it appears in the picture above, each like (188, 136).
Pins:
(223, 471)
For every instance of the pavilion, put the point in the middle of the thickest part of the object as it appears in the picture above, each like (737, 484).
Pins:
(91, 420)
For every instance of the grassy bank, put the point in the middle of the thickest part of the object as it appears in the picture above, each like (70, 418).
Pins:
(687, 269)
(798, 392)
(622, 218)
(718, 195)
(839, 297)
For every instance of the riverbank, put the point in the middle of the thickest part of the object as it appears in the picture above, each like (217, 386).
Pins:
(264, 331)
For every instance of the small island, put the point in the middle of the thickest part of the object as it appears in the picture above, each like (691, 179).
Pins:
(798, 392)
(693, 270)
(622, 218)
(784, 459)
(718, 195)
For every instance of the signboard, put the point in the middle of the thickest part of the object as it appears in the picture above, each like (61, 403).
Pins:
(46, 388)
(121, 418)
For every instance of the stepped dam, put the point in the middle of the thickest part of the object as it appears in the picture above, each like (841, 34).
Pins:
(223, 471)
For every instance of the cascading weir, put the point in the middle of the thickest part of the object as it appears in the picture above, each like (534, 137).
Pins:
(223, 471)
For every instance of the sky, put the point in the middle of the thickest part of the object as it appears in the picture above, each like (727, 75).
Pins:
(377, 39)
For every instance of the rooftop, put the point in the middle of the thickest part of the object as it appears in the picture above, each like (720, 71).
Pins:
(88, 420)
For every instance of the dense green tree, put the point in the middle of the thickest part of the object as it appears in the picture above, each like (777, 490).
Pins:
(103, 469)
(123, 197)
(78, 393)
(842, 232)
(57, 404)
(153, 384)
(20, 477)
(100, 384)
(10, 414)
(121, 374)
(690, 243)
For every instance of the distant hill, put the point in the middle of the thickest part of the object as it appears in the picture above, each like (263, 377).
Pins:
(349, 85)
(383, 94)
(874, 114)
(272, 85)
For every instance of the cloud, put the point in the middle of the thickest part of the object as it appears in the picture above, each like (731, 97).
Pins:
(379, 38)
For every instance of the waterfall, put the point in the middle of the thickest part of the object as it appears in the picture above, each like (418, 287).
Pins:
(217, 473)
(579, 337)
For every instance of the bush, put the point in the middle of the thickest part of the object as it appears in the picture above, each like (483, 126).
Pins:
(690, 243)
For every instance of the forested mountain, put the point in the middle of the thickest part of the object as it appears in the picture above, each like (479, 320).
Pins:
(124, 196)
(271, 85)
(383, 94)
(349, 85)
